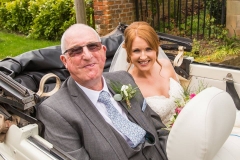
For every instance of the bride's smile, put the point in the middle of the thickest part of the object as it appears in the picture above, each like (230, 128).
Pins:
(143, 56)
(144, 62)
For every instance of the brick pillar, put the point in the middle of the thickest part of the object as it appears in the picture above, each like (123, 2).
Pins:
(233, 17)
(108, 14)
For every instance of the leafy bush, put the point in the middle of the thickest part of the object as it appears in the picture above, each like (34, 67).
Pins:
(53, 18)
(41, 19)
(34, 6)
(216, 8)
(90, 13)
(15, 16)
(3, 16)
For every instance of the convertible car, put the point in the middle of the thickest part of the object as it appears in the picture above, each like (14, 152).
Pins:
(28, 79)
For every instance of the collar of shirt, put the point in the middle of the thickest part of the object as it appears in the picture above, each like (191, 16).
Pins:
(94, 94)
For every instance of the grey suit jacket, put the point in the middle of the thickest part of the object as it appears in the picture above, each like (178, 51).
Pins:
(74, 124)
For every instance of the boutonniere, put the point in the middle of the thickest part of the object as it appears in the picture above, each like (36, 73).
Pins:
(123, 92)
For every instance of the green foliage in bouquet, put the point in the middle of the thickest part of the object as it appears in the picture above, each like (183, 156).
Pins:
(123, 92)
(188, 94)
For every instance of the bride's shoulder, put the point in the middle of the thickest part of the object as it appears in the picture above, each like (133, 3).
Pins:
(167, 68)
(165, 62)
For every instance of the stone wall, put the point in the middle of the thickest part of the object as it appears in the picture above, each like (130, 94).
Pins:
(233, 17)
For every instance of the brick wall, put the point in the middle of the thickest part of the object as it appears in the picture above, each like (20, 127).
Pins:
(108, 14)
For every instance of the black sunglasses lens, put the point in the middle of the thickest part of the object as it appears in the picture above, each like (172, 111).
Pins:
(75, 51)
(93, 47)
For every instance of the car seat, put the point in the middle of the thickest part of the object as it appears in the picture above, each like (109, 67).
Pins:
(203, 129)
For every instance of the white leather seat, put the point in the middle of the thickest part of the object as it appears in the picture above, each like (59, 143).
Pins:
(202, 129)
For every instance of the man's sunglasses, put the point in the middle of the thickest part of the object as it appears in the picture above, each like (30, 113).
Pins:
(77, 50)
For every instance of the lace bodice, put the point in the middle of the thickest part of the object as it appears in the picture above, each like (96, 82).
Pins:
(165, 107)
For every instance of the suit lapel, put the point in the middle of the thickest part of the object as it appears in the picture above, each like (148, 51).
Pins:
(83, 102)
(135, 113)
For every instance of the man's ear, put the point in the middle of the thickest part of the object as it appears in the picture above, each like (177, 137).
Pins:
(64, 60)
(104, 48)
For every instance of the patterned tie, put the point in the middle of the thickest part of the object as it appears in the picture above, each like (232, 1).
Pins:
(134, 132)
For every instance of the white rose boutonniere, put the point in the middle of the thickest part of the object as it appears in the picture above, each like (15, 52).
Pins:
(123, 92)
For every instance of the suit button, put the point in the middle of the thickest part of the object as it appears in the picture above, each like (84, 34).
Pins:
(150, 158)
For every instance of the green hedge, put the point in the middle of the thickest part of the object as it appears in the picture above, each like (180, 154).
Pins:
(53, 18)
(14, 16)
(39, 19)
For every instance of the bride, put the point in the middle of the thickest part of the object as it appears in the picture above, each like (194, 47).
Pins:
(152, 71)
(142, 57)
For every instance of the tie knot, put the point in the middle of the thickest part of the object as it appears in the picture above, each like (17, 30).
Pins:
(104, 97)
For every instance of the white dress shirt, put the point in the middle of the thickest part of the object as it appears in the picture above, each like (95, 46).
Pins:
(93, 96)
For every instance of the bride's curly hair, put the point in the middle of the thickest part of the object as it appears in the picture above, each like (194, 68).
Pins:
(144, 31)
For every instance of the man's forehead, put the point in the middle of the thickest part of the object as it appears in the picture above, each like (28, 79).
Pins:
(82, 37)
(83, 31)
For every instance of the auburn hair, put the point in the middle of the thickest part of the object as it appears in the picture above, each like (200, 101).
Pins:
(142, 30)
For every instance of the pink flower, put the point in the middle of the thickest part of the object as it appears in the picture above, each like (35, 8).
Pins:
(178, 110)
(192, 95)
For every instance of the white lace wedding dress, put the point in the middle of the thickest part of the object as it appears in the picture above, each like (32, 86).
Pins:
(163, 106)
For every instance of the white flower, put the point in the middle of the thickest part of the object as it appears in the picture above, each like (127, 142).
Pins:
(123, 92)
(124, 89)
(117, 97)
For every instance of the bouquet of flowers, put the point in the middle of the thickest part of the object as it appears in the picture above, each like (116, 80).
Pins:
(188, 94)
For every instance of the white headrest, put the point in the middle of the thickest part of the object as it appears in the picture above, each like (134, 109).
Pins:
(202, 127)
(237, 122)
